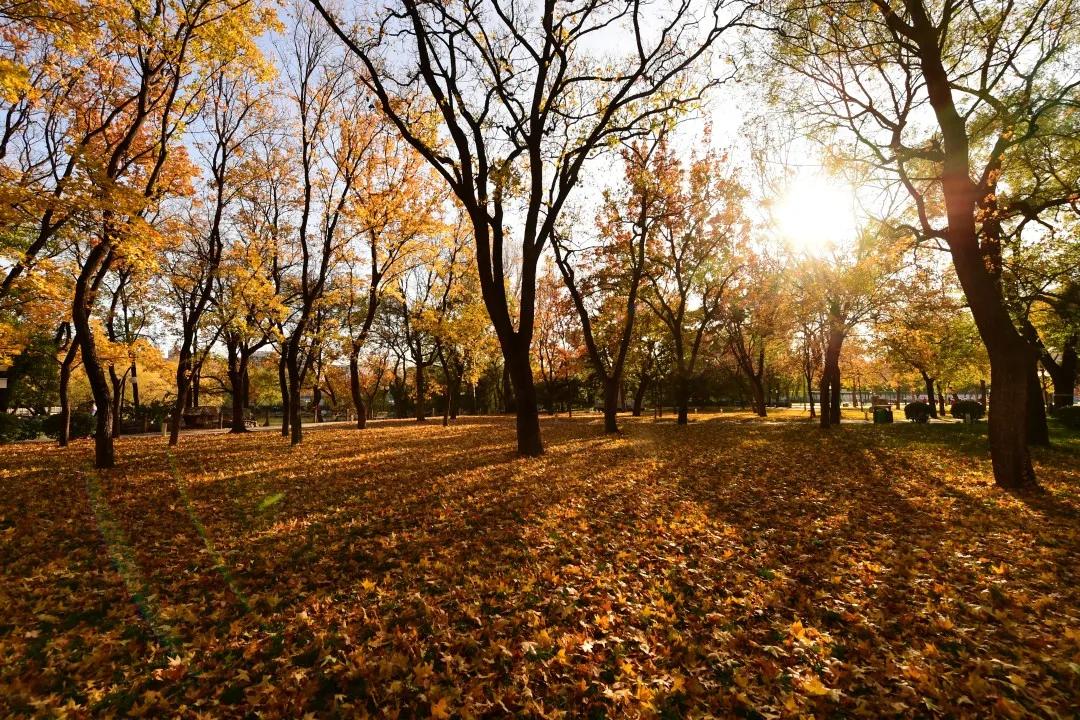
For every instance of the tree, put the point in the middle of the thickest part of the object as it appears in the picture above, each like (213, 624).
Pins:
(946, 97)
(524, 102)
(691, 260)
(334, 144)
(754, 316)
(556, 340)
(931, 331)
(231, 121)
(844, 289)
(399, 206)
(603, 280)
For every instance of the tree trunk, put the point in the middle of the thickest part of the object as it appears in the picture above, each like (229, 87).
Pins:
(237, 373)
(1010, 375)
(1038, 432)
(611, 405)
(639, 395)
(682, 398)
(509, 403)
(810, 393)
(104, 453)
(118, 399)
(929, 383)
(184, 374)
(524, 392)
(757, 394)
(283, 384)
(292, 367)
(65, 394)
(455, 398)
(446, 407)
(316, 401)
(356, 391)
(1063, 373)
(941, 400)
(421, 411)
(134, 385)
(830, 380)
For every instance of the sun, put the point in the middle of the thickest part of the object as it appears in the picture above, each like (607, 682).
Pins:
(815, 214)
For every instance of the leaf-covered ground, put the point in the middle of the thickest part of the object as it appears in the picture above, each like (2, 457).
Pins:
(732, 567)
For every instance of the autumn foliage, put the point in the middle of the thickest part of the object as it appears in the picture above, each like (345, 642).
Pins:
(417, 571)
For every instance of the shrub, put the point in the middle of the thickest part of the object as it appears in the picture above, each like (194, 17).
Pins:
(917, 412)
(1068, 416)
(961, 408)
(82, 425)
(14, 428)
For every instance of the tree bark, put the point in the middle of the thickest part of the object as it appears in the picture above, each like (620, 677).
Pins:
(611, 405)
(118, 399)
(524, 390)
(184, 372)
(509, 402)
(104, 453)
(639, 395)
(1062, 374)
(283, 384)
(292, 368)
(928, 382)
(830, 380)
(682, 399)
(357, 391)
(977, 266)
(1038, 432)
(237, 374)
(65, 395)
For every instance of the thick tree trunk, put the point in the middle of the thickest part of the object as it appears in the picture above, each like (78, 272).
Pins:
(611, 405)
(941, 400)
(830, 380)
(682, 399)
(835, 404)
(455, 398)
(283, 384)
(524, 391)
(1063, 374)
(928, 382)
(237, 373)
(639, 395)
(238, 422)
(184, 373)
(446, 408)
(357, 392)
(757, 394)
(1038, 432)
(104, 453)
(65, 393)
(1011, 368)
(292, 368)
(134, 385)
(509, 401)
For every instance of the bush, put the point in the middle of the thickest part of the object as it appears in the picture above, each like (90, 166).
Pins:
(14, 428)
(917, 412)
(962, 408)
(1068, 416)
(82, 425)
